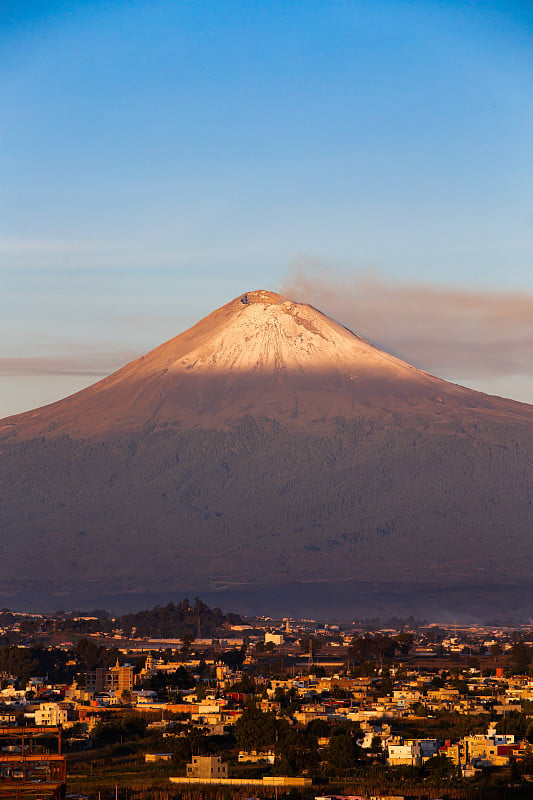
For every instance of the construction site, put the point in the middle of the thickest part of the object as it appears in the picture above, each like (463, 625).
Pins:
(32, 764)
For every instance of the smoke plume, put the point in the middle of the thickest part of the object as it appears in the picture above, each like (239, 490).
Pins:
(449, 331)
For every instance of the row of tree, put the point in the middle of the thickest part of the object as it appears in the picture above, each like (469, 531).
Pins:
(174, 620)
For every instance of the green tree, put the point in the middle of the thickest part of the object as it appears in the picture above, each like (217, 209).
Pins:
(341, 754)
(521, 655)
(186, 641)
(514, 723)
(233, 659)
(361, 649)
(88, 653)
(255, 730)
(404, 642)
(19, 662)
(496, 650)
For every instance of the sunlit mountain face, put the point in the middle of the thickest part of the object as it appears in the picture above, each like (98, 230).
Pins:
(267, 449)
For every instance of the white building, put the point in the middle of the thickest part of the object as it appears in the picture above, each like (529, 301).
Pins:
(50, 714)
(407, 753)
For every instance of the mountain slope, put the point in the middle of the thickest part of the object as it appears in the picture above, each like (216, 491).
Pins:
(259, 354)
(266, 446)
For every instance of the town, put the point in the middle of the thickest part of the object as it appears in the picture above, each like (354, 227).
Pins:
(183, 701)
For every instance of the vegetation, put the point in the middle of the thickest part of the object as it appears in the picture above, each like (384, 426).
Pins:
(176, 621)
(173, 621)
(25, 662)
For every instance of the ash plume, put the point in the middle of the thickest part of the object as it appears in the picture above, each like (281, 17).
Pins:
(450, 331)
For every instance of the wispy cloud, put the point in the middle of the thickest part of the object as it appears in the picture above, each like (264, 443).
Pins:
(453, 332)
(90, 364)
(20, 246)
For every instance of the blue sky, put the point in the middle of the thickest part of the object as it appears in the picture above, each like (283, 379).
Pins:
(159, 158)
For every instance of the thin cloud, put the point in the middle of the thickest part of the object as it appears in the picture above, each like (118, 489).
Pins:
(89, 364)
(453, 332)
(14, 246)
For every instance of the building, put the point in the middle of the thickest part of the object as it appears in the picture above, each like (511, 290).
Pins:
(482, 750)
(256, 756)
(275, 638)
(116, 679)
(50, 714)
(151, 758)
(407, 753)
(207, 767)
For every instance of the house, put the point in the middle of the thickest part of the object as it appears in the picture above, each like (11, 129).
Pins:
(50, 714)
(207, 767)
(404, 753)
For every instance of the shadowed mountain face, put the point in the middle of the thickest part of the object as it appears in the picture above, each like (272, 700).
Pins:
(268, 449)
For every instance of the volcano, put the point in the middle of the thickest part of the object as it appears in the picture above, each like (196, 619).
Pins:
(267, 452)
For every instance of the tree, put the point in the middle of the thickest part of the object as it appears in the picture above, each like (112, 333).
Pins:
(130, 726)
(514, 723)
(19, 662)
(521, 655)
(88, 653)
(311, 641)
(404, 642)
(255, 730)
(182, 679)
(361, 648)
(525, 765)
(341, 754)
(201, 692)
(233, 659)
(246, 685)
(419, 709)
(386, 686)
(439, 767)
(318, 728)
(496, 650)
(384, 647)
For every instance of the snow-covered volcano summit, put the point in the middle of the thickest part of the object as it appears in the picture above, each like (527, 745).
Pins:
(264, 355)
(263, 332)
